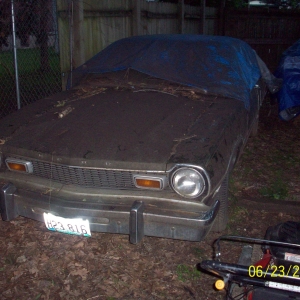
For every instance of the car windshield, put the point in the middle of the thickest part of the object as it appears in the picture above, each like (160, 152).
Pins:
(139, 82)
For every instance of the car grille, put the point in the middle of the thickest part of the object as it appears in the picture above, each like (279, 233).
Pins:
(86, 177)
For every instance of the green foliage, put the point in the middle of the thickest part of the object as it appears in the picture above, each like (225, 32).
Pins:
(277, 190)
(237, 213)
(185, 273)
(295, 3)
(28, 61)
(35, 83)
(199, 253)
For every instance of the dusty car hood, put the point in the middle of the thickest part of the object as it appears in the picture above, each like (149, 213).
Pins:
(120, 129)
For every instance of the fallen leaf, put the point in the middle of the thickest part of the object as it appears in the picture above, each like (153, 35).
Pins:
(17, 274)
(21, 259)
(80, 272)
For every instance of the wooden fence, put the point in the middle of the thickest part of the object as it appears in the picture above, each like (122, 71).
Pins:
(268, 31)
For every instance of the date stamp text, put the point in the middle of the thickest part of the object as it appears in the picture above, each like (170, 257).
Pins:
(274, 271)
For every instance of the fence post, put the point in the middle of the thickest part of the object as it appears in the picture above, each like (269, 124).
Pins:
(221, 30)
(71, 40)
(181, 16)
(202, 19)
(15, 53)
(136, 17)
(78, 37)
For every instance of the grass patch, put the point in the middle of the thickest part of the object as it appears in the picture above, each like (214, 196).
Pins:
(198, 252)
(28, 61)
(34, 83)
(277, 189)
(185, 273)
(237, 214)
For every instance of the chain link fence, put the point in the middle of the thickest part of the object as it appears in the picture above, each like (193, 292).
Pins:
(29, 52)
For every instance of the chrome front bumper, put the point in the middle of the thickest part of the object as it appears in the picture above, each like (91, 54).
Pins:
(137, 219)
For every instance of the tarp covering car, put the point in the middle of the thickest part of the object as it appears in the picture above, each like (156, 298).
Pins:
(217, 65)
(289, 95)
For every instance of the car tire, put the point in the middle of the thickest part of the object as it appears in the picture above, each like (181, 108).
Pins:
(221, 220)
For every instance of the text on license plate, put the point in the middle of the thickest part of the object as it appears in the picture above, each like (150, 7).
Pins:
(75, 226)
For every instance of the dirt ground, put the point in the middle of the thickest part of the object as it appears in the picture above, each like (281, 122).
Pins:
(264, 190)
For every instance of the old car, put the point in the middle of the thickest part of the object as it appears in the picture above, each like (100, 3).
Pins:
(141, 143)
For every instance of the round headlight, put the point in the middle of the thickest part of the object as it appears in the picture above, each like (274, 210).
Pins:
(188, 182)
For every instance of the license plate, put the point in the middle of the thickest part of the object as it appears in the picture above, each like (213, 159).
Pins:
(76, 226)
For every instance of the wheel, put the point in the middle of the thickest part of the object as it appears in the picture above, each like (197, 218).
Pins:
(222, 216)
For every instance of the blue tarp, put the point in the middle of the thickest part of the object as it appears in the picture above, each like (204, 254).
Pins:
(219, 65)
(289, 70)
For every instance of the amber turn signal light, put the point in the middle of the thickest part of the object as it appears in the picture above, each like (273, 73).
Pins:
(147, 183)
(16, 167)
(19, 165)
